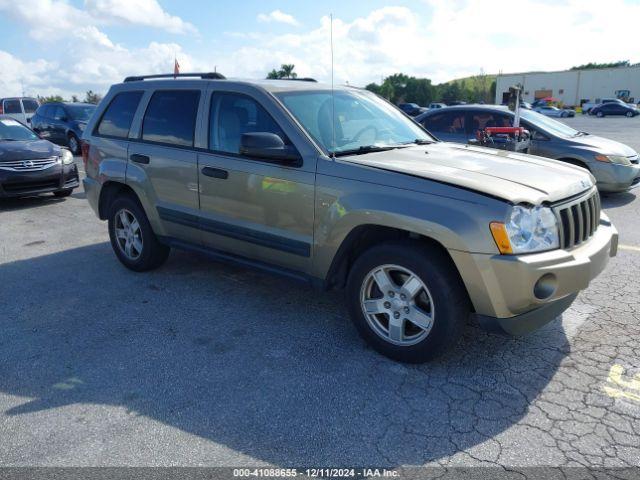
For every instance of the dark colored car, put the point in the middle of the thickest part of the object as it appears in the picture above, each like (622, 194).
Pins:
(30, 165)
(614, 108)
(62, 123)
(411, 109)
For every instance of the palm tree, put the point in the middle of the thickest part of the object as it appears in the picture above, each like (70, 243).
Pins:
(286, 71)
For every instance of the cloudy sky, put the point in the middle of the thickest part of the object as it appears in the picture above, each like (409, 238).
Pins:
(69, 46)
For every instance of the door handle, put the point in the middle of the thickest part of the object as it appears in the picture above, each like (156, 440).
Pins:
(215, 172)
(136, 157)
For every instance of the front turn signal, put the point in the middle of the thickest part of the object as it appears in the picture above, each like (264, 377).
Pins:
(501, 237)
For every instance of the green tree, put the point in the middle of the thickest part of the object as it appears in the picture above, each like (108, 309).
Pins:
(286, 71)
(74, 98)
(92, 97)
(50, 98)
(592, 66)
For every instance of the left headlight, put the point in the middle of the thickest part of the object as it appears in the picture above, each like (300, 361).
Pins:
(66, 156)
(527, 230)
(617, 159)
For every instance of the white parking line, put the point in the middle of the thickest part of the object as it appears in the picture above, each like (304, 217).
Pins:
(629, 247)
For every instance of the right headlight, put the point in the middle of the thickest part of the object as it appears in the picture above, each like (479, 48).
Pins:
(527, 230)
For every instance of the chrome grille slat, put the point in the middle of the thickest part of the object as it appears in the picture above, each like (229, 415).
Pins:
(29, 165)
(578, 219)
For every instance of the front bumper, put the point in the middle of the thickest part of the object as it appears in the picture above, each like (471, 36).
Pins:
(615, 178)
(20, 184)
(505, 289)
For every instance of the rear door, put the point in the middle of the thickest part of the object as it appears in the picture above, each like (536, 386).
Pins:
(252, 207)
(164, 160)
(58, 125)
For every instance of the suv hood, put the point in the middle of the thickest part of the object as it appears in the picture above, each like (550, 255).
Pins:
(27, 150)
(514, 177)
(604, 145)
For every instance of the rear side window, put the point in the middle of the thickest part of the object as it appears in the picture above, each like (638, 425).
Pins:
(12, 106)
(233, 114)
(30, 106)
(118, 116)
(171, 117)
(43, 111)
(447, 122)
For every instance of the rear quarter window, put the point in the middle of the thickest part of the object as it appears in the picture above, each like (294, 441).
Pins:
(117, 118)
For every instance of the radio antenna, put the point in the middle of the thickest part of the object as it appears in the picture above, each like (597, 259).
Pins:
(333, 105)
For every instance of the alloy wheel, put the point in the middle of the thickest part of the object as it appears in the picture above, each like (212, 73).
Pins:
(397, 305)
(128, 234)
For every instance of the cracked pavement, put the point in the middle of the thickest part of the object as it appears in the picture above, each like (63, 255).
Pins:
(202, 364)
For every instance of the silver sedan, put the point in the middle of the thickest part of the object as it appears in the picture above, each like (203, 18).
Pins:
(550, 111)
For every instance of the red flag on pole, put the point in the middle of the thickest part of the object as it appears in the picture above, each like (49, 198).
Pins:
(176, 67)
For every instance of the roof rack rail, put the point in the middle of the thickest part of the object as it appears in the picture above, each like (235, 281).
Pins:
(207, 75)
(302, 79)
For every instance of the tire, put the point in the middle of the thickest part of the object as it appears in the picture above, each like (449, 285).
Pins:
(599, 114)
(74, 144)
(441, 297)
(564, 114)
(145, 251)
(63, 193)
(629, 114)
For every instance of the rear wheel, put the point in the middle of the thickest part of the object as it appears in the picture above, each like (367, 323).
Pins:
(407, 301)
(629, 114)
(599, 114)
(74, 144)
(132, 237)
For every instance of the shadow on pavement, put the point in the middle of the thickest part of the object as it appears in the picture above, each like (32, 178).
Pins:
(261, 365)
(614, 200)
(23, 203)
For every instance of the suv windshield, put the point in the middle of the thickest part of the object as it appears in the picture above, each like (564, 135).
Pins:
(363, 121)
(548, 124)
(13, 130)
(80, 113)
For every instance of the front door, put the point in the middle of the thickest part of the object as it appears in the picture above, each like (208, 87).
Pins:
(252, 207)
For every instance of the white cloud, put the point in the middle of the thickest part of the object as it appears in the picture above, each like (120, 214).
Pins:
(137, 12)
(454, 39)
(278, 16)
(51, 19)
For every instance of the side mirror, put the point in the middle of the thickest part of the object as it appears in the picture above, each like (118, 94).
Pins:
(268, 146)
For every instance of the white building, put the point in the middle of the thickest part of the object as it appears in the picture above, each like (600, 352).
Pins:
(574, 87)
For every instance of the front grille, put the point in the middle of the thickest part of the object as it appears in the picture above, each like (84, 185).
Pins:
(578, 219)
(29, 165)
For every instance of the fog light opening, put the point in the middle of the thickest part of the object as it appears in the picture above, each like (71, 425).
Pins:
(545, 286)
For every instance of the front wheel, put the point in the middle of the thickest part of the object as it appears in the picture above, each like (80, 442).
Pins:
(407, 301)
(74, 144)
(599, 114)
(132, 237)
(629, 114)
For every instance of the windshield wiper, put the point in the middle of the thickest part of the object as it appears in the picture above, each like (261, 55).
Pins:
(366, 149)
(579, 134)
(8, 140)
(419, 141)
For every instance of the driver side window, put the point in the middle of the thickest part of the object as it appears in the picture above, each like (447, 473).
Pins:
(233, 114)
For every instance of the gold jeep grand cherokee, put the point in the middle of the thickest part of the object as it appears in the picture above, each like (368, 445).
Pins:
(343, 190)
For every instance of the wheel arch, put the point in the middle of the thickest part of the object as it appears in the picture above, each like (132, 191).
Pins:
(575, 161)
(363, 237)
(109, 192)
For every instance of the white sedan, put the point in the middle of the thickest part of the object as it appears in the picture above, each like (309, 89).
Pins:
(550, 111)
